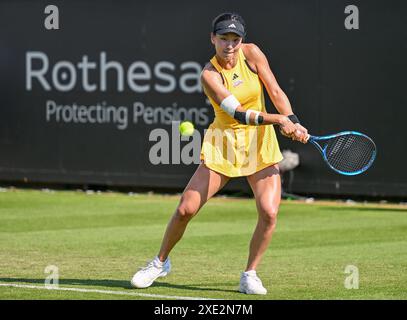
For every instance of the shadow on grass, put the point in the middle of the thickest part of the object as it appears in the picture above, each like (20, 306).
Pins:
(119, 284)
(194, 286)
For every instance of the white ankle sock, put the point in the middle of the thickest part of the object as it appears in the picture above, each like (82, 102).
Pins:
(158, 261)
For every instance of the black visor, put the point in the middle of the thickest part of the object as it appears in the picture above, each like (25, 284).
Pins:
(228, 26)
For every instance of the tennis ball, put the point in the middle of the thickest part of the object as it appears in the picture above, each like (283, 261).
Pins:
(186, 128)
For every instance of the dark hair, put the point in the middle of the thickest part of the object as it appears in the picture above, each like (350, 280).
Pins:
(228, 16)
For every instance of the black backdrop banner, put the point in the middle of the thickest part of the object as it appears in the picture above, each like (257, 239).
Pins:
(96, 101)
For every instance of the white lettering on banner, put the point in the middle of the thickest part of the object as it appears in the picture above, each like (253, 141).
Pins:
(121, 116)
(64, 75)
(164, 76)
(104, 67)
(99, 114)
(132, 75)
(194, 76)
(38, 74)
(165, 115)
(85, 65)
(139, 77)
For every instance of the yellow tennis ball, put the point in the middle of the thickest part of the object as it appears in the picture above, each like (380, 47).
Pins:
(186, 128)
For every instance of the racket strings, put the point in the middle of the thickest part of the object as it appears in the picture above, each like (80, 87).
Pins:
(350, 153)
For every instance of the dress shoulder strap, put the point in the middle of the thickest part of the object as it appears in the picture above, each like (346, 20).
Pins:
(215, 63)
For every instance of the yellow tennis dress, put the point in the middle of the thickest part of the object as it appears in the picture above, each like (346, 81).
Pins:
(236, 149)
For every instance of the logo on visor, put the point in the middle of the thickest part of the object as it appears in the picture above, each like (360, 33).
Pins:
(232, 26)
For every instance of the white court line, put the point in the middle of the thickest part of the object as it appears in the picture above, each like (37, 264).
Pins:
(123, 293)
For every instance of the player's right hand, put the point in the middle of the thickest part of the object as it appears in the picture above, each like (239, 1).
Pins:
(293, 131)
(300, 134)
(287, 128)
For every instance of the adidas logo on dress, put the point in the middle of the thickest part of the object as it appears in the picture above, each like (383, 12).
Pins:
(235, 82)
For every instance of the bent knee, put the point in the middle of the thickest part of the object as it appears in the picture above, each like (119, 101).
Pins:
(186, 211)
(268, 215)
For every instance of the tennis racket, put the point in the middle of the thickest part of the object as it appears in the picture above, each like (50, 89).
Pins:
(348, 153)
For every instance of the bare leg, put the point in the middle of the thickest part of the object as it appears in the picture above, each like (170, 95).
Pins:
(266, 186)
(202, 186)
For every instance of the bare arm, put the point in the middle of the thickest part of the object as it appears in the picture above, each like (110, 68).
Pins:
(213, 86)
(276, 94)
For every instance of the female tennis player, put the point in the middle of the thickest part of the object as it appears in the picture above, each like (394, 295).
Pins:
(233, 81)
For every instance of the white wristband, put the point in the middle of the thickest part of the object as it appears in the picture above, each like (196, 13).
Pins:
(256, 118)
(248, 112)
(230, 104)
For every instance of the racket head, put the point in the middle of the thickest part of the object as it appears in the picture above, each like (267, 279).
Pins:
(348, 153)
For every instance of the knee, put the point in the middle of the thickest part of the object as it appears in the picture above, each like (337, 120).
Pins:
(186, 211)
(268, 215)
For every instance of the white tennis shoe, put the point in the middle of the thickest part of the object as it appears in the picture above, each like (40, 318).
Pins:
(147, 275)
(251, 284)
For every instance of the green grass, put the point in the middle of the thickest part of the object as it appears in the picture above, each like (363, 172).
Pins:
(98, 241)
